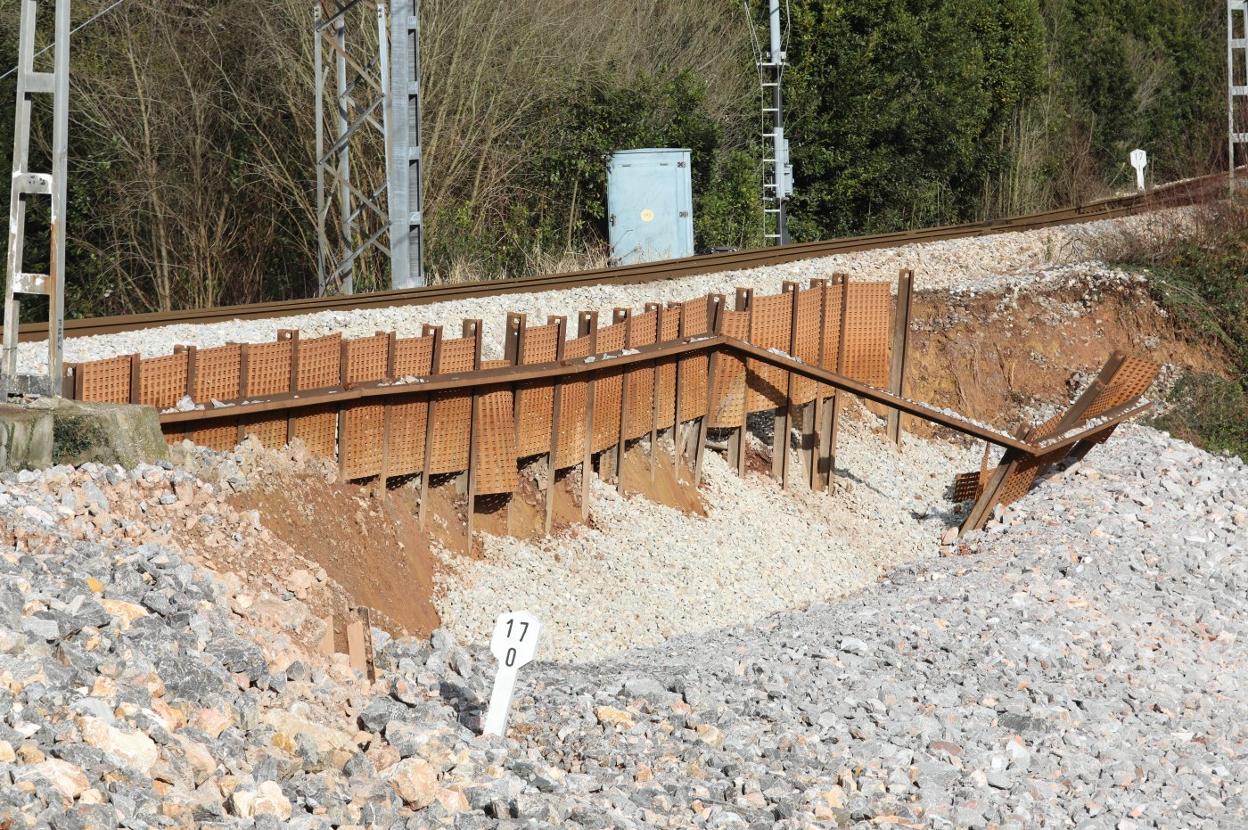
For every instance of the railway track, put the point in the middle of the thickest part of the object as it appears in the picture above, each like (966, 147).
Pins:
(1173, 195)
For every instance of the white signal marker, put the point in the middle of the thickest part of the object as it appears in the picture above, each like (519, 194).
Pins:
(514, 643)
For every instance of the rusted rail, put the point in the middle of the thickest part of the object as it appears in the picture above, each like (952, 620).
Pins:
(1173, 195)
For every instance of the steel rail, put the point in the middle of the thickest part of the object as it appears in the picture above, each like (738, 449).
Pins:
(1172, 195)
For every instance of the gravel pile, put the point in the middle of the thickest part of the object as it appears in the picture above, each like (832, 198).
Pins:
(988, 262)
(644, 572)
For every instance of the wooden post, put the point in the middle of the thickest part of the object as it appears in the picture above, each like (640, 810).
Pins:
(622, 315)
(654, 394)
(435, 367)
(342, 412)
(839, 400)
(136, 378)
(552, 462)
(901, 348)
(387, 415)
(784, 424)
(293, 336)
(814, 412)
(678, 449)
(472, 328)
(714, 323)
(738, 444)
(587, 326)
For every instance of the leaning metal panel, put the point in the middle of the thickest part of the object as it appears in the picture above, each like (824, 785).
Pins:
(451, 414)
(363, 425)
(268, 368)
(535, 399)
(367, 358)
(729, 383)
(217, 373)
(607, 390)
(867, 332)
(769, 328)
(573, 398)
(809, 335)
(320, 363)
(693, 370)
(665, 371)
(494, 456)
(642, 331)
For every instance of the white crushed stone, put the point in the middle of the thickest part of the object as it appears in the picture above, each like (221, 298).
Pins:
(646, 572)
(983, 263)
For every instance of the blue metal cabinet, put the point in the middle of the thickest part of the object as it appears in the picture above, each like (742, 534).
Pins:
(649, 205)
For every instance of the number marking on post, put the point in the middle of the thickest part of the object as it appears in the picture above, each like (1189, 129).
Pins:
(514, 643)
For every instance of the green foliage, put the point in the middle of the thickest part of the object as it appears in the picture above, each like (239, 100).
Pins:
(1199, 278)
(898, 108)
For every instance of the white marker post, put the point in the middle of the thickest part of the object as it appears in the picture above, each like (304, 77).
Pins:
(1139, 160)
(514, 643)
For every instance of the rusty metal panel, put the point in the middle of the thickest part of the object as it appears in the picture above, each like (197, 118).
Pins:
(831, 331)
(413, 357)
(407, 437)
(268, 429)
(867, 332)
(217, 373)
(642, 331)
(809, 340)
(104, 381)
(367, 358)
(665, 385)
(162, 380)
(223, 437)
(572, 402)
(268, 368)
(1132, 380)
(536, 399)
(361, 440)
(320, 362)
(451, 418)
(607, 389)
(769, 328)
(693, 370)
(494, 456)
(730, 374)
(317, 428)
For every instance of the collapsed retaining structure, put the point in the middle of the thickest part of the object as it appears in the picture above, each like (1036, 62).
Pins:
(387, 407)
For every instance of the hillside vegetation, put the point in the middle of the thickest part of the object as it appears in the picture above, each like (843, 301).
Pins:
(193, 135)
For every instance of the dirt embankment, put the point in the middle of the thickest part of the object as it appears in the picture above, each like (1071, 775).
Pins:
(1001, 358)
(1008, 357)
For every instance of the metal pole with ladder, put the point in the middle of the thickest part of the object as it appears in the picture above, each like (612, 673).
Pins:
(26, 184)
(777, 172)
(1236, 86)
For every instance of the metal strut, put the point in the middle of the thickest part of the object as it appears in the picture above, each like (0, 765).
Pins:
(26, 184)
(1236, 86)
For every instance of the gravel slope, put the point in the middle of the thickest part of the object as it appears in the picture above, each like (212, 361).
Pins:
(988, 261)
(646, 572)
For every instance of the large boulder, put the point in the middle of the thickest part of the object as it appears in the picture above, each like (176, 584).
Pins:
(54, 431)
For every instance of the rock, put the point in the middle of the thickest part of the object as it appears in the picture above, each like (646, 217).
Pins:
(324, 738)
(415, 780)
(270, 801)
(134, 749)
(66, 778)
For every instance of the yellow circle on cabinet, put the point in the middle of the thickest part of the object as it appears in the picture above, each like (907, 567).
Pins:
(647, 215)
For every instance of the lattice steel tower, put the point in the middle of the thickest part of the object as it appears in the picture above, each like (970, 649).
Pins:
(368, 177)
(1236, 85)
(777, 172)
(26, 184)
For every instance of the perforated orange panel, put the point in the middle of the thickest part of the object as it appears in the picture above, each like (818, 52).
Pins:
(162, 380)
(318, 429)
(730, 372)
(270, 430)
(831, 332)
(693, 370)
(450, 418)
(319, 362)
(769, 328)
(809, 338)
(407, 437)
(217, 373)
(361, 442)
(494, 456)
(222, 437)
(104, 381)
(536, 398)
(607, 391)
(268, 368)
(412, 356)
(367, 358)
(642, 331)
(867, 332)
(1131, 381)
(572, 402)
(665, 404)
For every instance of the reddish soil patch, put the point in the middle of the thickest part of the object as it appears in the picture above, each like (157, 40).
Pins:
(372, 547)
